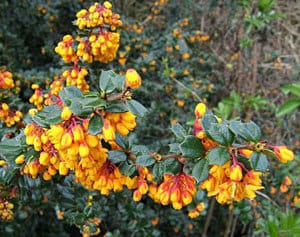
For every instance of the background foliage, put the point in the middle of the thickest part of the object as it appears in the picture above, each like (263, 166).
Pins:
(240, 57)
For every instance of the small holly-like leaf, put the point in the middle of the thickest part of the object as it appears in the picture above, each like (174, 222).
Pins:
(245, 161)
(293, 88)
(116, 107)
(92, 100)
(145, 160)
(247, 131)
(174, 148)
(259, 161)
(220, 133)
(106, 81)
(69, 93)
(172, 166)
(116, 156)
(207, 120)
(191, 147)
(126, 168)
(178, 131)
(95, 125)
(49, 115)
(201, 170)
(136, 108)
(159, 170)
(218, 156)
(140, 150)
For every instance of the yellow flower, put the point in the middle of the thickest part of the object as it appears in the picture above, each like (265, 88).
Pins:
(236, 173)
(283, 153)
(200, 110)
(132, 79)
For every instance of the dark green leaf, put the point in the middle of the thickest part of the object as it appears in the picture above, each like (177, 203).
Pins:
(288, 107)
(69, 93)
(201, 170)
(95, 125)
(140, 150)
(106, 81)
(116, 107)
(207, 120)
(120, 140)
(259, 161)
(145, 160)
(178, 130)
(49, 115)
(117, 156)
(159, 170)
(245, 161)
(92, 102)
(218, 156)
(127, 169)
(172, 166)
(136, 108)
(220, 133)
(247, 131)
(174, 148)
(191, 147)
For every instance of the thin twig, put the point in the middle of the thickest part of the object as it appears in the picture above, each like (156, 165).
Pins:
(209, 216)
(228, 224)
(194, 94)
(267, 197)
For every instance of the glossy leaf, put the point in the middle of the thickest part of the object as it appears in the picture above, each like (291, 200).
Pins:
(95, 125)
(218, 156)
(117, 156)
(136, 108)
(201, 170)
(247, 131)
(191, 147)
(178, 130)
(259, 161)
(220, 133)
(145, 160)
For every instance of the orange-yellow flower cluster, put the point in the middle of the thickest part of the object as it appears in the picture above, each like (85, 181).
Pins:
(6, 210)
(9, 116)
(195, 212)
(98, 16)
(117, 122)
(228, 183)
(100, 47)
(177, 190)
(140, 183)
(65, 49)
(75, 76)
(6, 80)
(37, 98)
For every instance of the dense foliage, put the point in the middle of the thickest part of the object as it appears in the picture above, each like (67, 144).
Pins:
(146, 118)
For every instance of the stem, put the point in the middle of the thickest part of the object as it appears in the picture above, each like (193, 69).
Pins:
(209, 216)
(194, 94)
(229, 223)
(267, 197)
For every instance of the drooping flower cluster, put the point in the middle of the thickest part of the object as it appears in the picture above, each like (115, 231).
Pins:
(228, 183)
(37, 98)
(9, 116)
(98, 16)
(6, 80)
(6, 210)
(75, 76)
(177, 190)
(65, 49)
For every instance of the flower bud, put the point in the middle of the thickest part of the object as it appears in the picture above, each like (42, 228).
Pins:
(236, 173)
(132, 79)
(283, 154)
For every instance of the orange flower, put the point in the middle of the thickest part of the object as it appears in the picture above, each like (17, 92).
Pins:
(236, 173)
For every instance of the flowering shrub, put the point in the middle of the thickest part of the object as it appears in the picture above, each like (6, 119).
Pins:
(75, 152)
